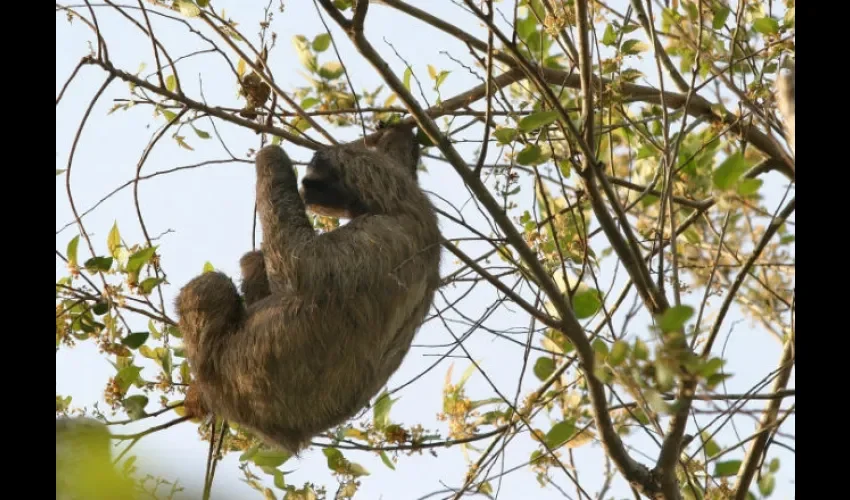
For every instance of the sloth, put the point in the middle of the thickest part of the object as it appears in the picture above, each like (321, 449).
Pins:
(323, 320)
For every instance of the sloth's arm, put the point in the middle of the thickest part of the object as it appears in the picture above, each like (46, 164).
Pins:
(286, 228)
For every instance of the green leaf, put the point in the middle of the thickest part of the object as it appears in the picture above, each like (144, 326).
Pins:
(357, 470)
(279, 480)
(386, 459)
(188, 8)
(711, 367)
(720, 17)
(113, 241)
(529, 155)
(135, 340)
(633, 47)
(766, 485)
(774, 465)
(201, 133)
(171, 83)
(711, 447)
(766, 26)
(675, 317)
(140, 258)
(127, 376)
(610, 36)
(249, 453)
(100, 308)
(322, 42)
(208, 267)
(407, 74)
(135, 406)
(441, 78)
(432, 72)
(600, 347)
(270, 458)
(381, 410)
(505, 135)
(147, 286)
(586, 303)
(335, 458)
(309, 102)
(559, 434)
(72, 250)
(331, 70)
(748, 187)
(728, 173)
(60, 171)
(96, 264)
(543, 368)
(619, 351)
(170, 116)
(727, 468)
(538, 120)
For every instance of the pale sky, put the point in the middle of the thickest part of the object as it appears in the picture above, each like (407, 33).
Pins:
(205, 214)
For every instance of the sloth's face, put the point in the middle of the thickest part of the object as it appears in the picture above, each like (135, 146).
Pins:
(324, 192)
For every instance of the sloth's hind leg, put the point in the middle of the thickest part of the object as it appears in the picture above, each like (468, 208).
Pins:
(255, 281)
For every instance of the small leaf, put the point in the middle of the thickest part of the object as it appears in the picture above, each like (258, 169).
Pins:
(675, 317)
(331, 70)
(100, 308)
(407, 74)
(381, 410)
(728, 173)
(309, 102)
(720, 17)
(249, 453)
(169, 115)
(201, 133)
(529, 155)
(72, 250)
(441, 78)
(559, 434)
(432, 72)
(772, 467)
(322, 42)
(147, 286)
(766, 485)
(748, 187)
(357, 470)
(270, 458)
(135, 340)
(96, 264)
(135, 406)
(188, 8)
(241, 67)
(766, 26)
(171, 83)
(140, 258)
(505, 135)
(610, 36)
(127, 376)
(279, 480)
(60, 171)
(727, 468)
(386, 459)
(586, 303)
(633, 47)
(208, 267)
(619, 351)
(113, 241)
(335, 458)
(538, 120)
(543, 368)
(711, 367)
(709, 445)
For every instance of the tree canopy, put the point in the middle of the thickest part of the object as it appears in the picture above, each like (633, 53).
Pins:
(615, 183)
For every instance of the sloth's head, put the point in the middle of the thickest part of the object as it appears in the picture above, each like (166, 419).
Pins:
(375, 177)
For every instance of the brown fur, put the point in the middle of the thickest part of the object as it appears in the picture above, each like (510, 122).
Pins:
(327, 318)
